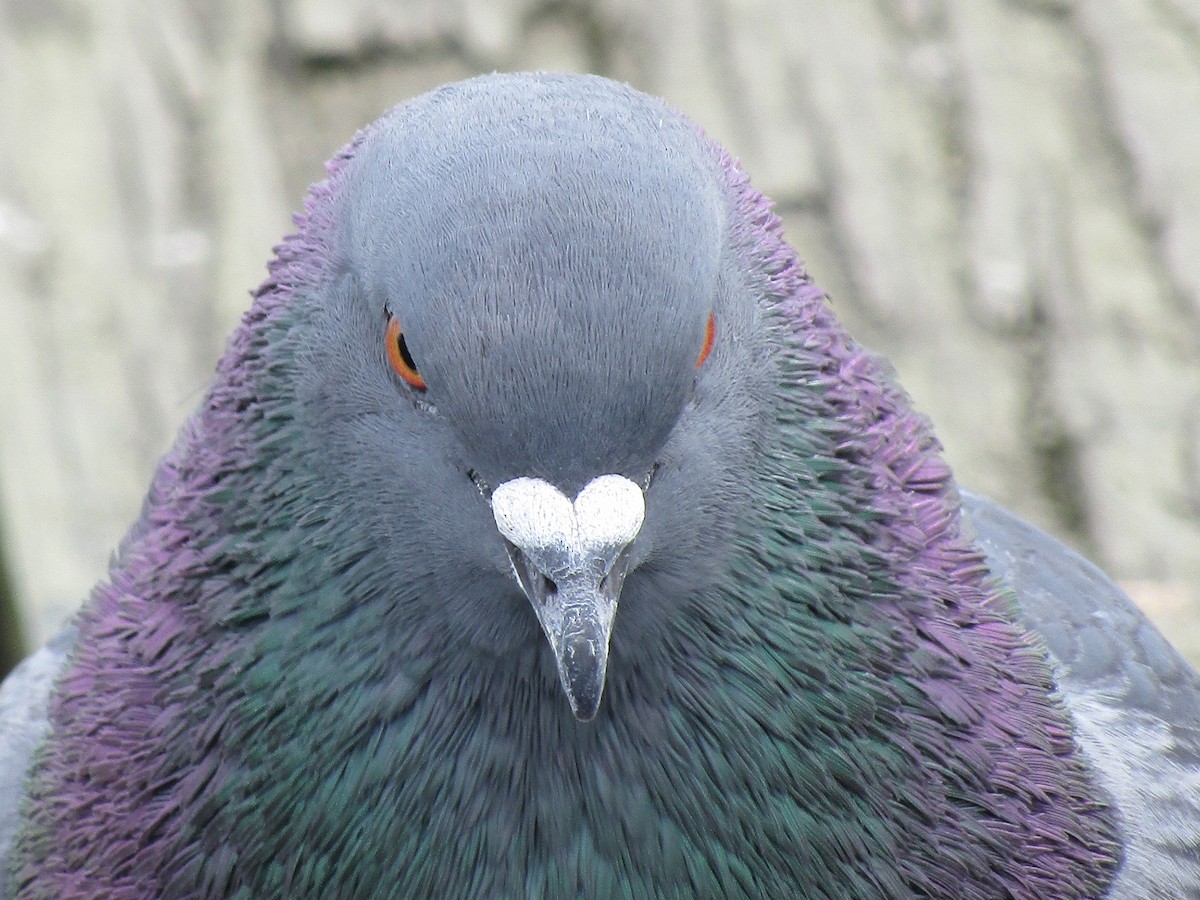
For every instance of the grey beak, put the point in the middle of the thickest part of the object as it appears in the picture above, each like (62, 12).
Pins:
(569, 558)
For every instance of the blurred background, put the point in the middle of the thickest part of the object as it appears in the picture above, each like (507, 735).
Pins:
(1002, 196)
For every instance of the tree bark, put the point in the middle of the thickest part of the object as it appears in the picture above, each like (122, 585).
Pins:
(1003, 197)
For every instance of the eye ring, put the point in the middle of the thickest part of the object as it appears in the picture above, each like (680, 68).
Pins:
(399, 357)
(710, 337)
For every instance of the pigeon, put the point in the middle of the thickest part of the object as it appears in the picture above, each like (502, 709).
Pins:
(544, 534)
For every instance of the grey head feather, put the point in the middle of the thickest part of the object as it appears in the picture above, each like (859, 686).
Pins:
(555, 321)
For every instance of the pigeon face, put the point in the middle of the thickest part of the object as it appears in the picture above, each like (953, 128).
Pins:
(558, 269)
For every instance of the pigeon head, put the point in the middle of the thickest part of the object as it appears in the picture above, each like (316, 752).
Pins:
(546, 322)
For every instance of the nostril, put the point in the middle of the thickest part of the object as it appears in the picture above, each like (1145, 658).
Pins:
(650, 476)
(549, 586)
(485, 489)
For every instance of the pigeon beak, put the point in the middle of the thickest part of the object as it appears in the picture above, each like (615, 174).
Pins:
(576, 613)
(581, 647)
(570, 560)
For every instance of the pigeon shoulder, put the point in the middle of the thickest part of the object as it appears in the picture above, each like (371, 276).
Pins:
(1134, 700)
(24, 720)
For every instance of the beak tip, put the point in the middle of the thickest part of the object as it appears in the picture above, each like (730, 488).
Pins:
(586, 715)
(585, 705)
(582, 672)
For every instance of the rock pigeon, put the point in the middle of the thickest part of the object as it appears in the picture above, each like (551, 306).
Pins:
(544, 534)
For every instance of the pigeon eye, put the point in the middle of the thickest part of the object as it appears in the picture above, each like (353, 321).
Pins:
(399, 357)
(710, 335)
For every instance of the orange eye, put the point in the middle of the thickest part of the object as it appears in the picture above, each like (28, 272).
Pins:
(710, 335)
(399, 357)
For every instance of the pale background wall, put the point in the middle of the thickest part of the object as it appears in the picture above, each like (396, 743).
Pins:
(1002, 196)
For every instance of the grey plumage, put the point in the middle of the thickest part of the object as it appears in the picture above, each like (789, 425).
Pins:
(764, 656)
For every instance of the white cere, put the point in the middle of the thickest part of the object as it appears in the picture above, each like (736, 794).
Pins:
(560, 536)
